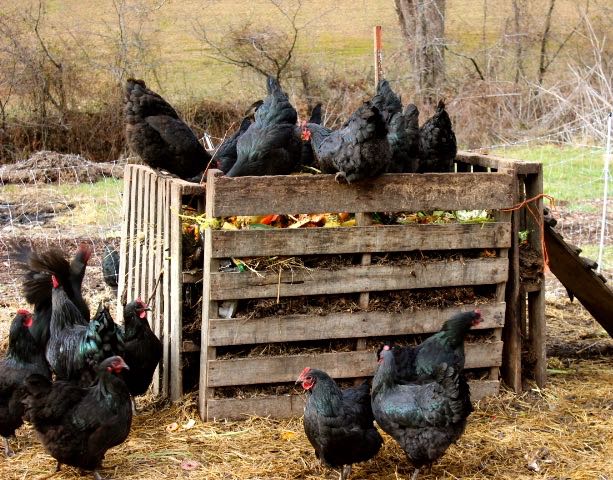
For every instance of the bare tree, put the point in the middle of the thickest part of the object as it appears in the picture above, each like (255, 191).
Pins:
(267, 51)
(39, 74)
(422, 23)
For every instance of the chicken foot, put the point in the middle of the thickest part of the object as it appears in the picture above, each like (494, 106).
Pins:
(415, 473)
(341, 177)
(345, 472)
(7, 449)
(97, 476)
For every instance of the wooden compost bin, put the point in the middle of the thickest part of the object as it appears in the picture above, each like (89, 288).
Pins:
(150, 254)
(320, 193)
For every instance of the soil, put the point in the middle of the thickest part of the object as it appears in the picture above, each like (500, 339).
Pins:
(54, 167)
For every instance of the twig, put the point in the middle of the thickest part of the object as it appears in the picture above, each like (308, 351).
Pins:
(155, 287)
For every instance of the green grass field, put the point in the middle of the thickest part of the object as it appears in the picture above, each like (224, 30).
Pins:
(333, 36)
(572, 175)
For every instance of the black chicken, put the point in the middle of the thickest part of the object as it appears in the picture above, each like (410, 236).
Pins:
(110, 267)
(269, 146)
(306, 154)
(142, 349)
(339, 424)
(77, 425)
(356, 151)
(437, 143)
(77, 345)
(226, 154)
(155, 132)
(23, 358)
(446, 346)
(37, 286)
(423, 402)
(403, 129)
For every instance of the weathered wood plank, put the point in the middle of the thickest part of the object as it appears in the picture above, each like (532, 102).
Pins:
(141, 206)
(176, 294)
(288, 406)
(482, 271)
(367, 239)
(511, 334)
(387, 193)
(248, 371)
(166, 283)
(290, 328)
(536, 300)
(157, 306)
(209, 308)
(522, 167)
(123, 244)
(134, 207)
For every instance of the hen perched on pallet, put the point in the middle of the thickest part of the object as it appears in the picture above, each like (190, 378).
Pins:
(356, 151)
(339, 424)
(269, 146)
(155, 132)
(437, 143)
(420, 396)
(403, 129)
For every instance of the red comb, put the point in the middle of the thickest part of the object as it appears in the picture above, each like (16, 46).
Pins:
(54, 281)
(386, 347)
(477, 312)
(86, 250)
(23, 311)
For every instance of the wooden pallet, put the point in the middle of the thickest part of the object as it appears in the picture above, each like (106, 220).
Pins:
(150, 254)
(320, 193)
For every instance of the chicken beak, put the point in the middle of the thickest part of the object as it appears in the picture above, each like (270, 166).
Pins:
(298, 381)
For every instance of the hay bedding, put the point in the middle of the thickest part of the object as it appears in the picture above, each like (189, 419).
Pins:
(568, 428)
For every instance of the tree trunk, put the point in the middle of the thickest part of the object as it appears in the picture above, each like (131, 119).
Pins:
(423, 26)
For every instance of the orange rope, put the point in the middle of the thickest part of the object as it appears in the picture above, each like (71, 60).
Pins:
(538, 219)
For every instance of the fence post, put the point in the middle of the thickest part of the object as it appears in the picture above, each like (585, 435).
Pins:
(603, 223)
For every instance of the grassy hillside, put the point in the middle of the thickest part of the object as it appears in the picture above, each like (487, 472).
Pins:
(334, 36)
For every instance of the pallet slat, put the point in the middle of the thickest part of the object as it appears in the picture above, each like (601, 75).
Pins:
(288, 406)
(482, 271)
(256, 370)
(371, 239)
(388, 193)
(289, 328)
(176, 294)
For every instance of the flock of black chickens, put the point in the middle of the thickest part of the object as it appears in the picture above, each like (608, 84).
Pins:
(379, 137)
(74, 376)
(97, 366)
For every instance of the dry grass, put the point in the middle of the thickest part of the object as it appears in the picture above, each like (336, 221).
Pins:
(570, 423)
(567, 427)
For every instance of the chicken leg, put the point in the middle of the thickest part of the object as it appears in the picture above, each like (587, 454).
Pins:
(7, 449)
(415, 473)
(345, 472)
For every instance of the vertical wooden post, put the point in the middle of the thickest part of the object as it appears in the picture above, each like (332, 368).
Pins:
(511, 356)
(176, 294)
(209, 307)
(123, 246)
(378, 53)
(536, 299)
(166, 289)
(159, 270)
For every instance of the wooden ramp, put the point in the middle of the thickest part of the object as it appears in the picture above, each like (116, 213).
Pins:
(580, 279)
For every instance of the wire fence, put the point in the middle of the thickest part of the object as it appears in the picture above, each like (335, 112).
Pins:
(79, 201)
